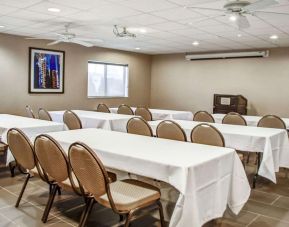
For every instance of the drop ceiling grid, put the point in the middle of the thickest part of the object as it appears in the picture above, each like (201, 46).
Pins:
(171, 27)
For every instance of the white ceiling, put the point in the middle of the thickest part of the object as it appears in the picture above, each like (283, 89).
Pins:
(170, 27)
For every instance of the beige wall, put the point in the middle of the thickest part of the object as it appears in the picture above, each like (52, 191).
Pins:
(14, 76)
(190, 85)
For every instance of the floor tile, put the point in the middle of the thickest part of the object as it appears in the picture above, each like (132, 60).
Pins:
(268, 222)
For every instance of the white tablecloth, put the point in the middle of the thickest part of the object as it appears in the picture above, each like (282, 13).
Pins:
(208, 178)
(273, 143)
(251, 120)
(31, 127)
(93, 119)
(165, 114)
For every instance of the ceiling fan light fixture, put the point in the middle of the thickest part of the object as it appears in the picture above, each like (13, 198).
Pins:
(233, 18)
(274, 37)
(54, 10)
(196, 43)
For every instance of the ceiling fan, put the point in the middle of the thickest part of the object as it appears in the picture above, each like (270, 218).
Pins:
(124, 33)
(238, 10)
(68, 37)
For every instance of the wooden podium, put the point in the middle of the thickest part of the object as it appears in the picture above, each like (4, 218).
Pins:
(230, 103)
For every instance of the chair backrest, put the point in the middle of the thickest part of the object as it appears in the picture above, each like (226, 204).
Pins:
(83, 162)
(203, 116)
(233, 118)
(71, 120)
(102, 108)
(51, 158)
(271, 121)
(207, 134)
(139, 126)
(29, 112)
(21, 148)
(125, 109)
(144, 113)
(44, 115)
(170, 130)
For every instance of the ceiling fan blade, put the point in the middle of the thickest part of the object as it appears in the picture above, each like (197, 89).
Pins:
(267, 12)
(243, 22)
(203, 8)
(260, 4)
(54, 43)
(90, 40)
(81, 42)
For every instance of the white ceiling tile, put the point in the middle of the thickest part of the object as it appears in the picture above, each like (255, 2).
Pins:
(171, 26)
(168, 26)
(83, 4)
(44, 6)
(148, 5)
(179, 13)
(30, 15)
(20, 3)
(6, 9)
(143, 19)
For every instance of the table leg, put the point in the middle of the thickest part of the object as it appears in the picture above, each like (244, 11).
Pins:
(258, 166)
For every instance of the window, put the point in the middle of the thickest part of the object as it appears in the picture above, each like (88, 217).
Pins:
(107, 80)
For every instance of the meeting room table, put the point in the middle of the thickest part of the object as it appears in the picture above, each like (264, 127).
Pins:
(161, 114)
(209, 178)
(30, 126)
(251, 120)
(272, 143)
(93, 119)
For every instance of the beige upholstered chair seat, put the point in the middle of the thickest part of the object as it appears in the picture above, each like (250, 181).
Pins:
(128, 196)
(241, 156)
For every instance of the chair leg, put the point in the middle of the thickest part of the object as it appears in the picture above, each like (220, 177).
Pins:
(128, 218)
(49, 203)
(22, 190)
(248, 158)
(12, 166)
(86, 212)
(59, 190)
(161, 213)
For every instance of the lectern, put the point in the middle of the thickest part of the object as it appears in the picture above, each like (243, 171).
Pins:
(224, 103)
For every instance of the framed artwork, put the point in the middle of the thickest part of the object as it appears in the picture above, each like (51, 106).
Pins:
(46, 71)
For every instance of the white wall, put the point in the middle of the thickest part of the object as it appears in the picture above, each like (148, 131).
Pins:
(190, 85)
(14, 52)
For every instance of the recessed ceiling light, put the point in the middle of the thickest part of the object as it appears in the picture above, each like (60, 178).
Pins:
(239, 35)
(274, 37)
(2, 26)
(137, 48)
(54, 10)
(196, 43)
(142, 30)
(233, 18)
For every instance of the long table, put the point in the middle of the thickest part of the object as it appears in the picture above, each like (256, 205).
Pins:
(251, 120)
(31, 127)
(93, 119)
(159, 114)
(272, 143)
(208, 178)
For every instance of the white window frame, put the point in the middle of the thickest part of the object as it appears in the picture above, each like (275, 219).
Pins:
(125, 81)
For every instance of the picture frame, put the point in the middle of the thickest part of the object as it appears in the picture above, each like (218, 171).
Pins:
(46, 71)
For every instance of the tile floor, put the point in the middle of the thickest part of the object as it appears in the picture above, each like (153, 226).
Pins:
(268, 206)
